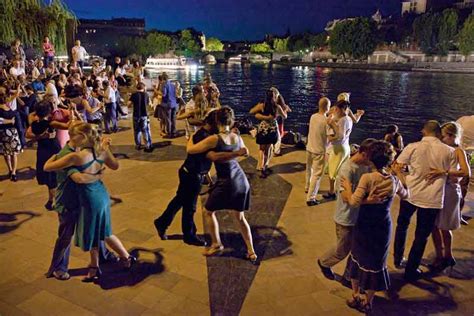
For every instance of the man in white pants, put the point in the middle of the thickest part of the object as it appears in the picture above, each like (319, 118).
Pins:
(316, 151)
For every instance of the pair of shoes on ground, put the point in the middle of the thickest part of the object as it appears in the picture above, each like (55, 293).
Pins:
(192, 240)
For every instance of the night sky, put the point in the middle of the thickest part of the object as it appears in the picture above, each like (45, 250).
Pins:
(234, 19)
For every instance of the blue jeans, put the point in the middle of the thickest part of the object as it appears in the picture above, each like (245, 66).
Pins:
(142, 125)
(110, 117)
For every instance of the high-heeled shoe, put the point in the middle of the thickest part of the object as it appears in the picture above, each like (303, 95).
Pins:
(213, 250)
(449, 263)
(128, 262)
(354, 302)
(252, 257)
(13, 178)
(92, 277)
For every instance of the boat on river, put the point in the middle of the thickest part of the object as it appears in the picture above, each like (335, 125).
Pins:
(176, 62)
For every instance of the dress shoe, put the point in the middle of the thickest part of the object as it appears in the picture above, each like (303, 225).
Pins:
(148, 150)
(312, 202)
(412, 276)
(49, 205)
(400, 264)
(161, 231)
(329, 196)
(327, 272)
(195, 241)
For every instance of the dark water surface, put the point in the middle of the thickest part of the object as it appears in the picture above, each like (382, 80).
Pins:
(388, 97)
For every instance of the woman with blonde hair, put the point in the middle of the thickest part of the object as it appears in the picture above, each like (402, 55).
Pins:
(94, 223)
(449, 218)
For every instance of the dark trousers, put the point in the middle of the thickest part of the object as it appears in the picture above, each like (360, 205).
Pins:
(171, 121)
(80, 63)
(425, 220)
(186, 198)
(62, 247)
(110, 120)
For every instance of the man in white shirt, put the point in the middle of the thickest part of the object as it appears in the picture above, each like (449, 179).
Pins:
(17, 70)
(467, 138)
(190, 111)
(425, 198)
(467, 143)
(316, 151)
(79, 54)
(340, 150)
(110, 108)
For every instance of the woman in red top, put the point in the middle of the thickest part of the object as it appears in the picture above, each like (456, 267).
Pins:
(48, 51)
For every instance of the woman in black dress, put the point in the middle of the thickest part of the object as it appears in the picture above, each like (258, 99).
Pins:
(232, 189)
(367, 263)
(43, 130)
(267, 133)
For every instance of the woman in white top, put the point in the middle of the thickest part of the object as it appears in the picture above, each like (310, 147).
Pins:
(449, 218)
(340, 150)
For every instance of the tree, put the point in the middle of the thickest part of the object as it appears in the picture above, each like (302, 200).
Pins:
(280, 44)
(318, 40)
(426, 32)
(466, 36)
(356, 38)
(187, 44)
(448, 29)
(31, 20)
(214, 45)
(260, 48)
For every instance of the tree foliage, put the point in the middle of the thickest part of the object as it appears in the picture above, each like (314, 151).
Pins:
(260, 48)
(448, 30)
(466, 36)
(31, 20)
(187, 44)
(214, 45)
(154, 43)
(436, 32)
(356, 38)
(280, 44)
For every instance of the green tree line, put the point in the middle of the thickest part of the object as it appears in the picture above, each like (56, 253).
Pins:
(31, 20)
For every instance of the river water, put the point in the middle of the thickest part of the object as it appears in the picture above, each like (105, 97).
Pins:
(388, 97)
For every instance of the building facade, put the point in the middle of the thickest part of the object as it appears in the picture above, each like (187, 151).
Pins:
(422, 6)
(100, 36)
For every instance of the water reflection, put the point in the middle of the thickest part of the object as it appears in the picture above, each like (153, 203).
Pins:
(389, 97)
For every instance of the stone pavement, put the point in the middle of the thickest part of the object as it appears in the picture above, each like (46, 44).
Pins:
(172, 278)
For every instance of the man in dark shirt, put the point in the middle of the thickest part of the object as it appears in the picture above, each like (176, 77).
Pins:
(191, 175)
(141, 123)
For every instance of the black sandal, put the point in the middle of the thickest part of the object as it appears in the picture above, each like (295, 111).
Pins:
(92, 278)
(354, 302)
(128, 262)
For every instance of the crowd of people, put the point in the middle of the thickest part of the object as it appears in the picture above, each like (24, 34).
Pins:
(65, 110)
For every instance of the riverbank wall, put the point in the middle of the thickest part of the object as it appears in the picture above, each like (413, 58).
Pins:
(463, 68)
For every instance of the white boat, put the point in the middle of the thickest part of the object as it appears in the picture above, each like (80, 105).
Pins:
(159, 63)
(237, 59)
(259, 59)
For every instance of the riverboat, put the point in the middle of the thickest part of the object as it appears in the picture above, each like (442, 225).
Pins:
(161, 63)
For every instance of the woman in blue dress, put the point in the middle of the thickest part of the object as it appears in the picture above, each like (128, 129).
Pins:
(367, 263)
(232, 189)
(93, 224)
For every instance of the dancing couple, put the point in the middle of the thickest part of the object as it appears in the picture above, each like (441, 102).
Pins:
(216, 142)
(83, 203)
